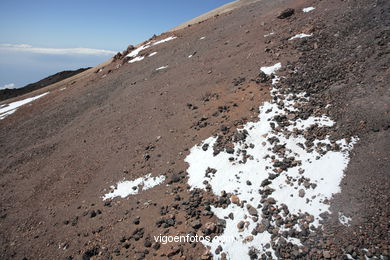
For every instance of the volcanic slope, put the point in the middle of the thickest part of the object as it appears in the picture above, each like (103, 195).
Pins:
(271, 131)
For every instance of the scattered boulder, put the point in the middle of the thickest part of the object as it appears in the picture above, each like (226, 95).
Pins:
(206, 255)
(92, 214)
(90, 253)
(238, 81)
(136, 221)
(173, 251)
(196, 224)
(147, 243)
(210, 228)
(229, 150)
(252, 210)
(240, 225)
(175, 178)
(234, 199)
(286, 13)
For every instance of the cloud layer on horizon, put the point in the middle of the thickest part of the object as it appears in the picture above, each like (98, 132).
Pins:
(10, 85)
(54, 51)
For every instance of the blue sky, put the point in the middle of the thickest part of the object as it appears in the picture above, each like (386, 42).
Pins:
(38, 38)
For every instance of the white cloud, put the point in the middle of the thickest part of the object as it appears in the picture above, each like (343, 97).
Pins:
(55, 51)
(10, 85)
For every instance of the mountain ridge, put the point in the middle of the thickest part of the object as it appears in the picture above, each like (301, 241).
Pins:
(49, 80)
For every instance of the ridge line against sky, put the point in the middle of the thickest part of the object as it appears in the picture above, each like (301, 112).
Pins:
(40, 38)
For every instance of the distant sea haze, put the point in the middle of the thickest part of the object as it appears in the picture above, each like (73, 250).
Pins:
(22, 64)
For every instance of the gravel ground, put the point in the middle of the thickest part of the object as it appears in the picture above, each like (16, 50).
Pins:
(61, 154)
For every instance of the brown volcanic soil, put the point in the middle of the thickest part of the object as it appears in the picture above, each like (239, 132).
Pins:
(216, 12)
(11, 93)
(59, 155)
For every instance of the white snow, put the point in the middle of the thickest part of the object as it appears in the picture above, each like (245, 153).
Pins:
(126, 188)
(139, 58)
(269, 34)
(271, 69)
(324, 171)
(192, 55)
(303, 124)
(202, 38)
(8, 109)
(162, 67)
(134, 53)
(152, 54)
(164, 40)
(344, 220)
(308, 9)
(299, 36)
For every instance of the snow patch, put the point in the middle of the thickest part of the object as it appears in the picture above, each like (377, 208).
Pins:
(126, 188)
(271, 69)
(308, 9)
(164, 40)
(162, 67)
(8, 109)
(299, 36)
(324, 172)
(192, 55)
(152, 54)
(344, 220)
(202, 38)
(134, 53)
(139, 58)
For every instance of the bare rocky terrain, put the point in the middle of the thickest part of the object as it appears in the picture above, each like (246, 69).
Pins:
(60, 154)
